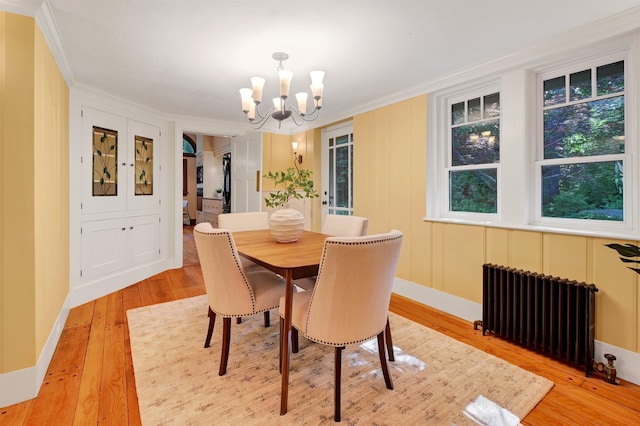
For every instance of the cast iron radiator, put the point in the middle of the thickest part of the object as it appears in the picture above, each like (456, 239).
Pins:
(553, 316)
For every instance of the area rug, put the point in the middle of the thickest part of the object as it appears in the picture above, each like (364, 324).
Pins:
(437, 380)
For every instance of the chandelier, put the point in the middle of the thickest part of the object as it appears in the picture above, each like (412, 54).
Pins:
(252, 98)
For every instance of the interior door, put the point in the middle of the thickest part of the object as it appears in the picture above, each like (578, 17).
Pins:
(337, 172)
(246, 173)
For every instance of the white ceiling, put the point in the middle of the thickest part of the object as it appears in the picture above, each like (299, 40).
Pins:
(190, 57)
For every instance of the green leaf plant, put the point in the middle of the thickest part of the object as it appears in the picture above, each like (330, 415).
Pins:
(294, 184)
(627, 251)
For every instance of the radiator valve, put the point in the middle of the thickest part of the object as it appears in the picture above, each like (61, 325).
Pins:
(608, 369)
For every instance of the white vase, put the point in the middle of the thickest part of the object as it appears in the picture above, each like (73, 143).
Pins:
(286, 225)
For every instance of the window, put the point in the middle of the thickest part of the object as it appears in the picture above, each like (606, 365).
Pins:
(474, 154)
(548, 146)
(582, 151)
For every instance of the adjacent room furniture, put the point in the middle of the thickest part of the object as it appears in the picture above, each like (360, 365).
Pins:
(186, 217)
(211, 208)
(350, 300)
(230, 291)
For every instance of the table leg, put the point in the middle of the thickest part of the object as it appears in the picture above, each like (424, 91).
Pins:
(286, 342)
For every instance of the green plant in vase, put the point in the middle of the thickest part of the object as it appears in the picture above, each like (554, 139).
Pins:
(287, 224)
(295, 184)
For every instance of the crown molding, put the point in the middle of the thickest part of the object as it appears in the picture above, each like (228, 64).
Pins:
(47, 23)
(21, 7)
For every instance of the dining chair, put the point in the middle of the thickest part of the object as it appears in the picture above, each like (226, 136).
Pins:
(230, 291)
(246, 221)
(342, 226)
(350, 300)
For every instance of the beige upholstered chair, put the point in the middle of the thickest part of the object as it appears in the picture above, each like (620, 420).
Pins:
(230, 291)
(245, 221)
(338, 226)
(350, 301)
(343, 226)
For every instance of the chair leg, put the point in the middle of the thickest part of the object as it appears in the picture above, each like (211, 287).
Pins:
(387, 335)
(212, 321)
(294, 340)
(337, 379)
(226, 339)
(383, 361)
(239, 320)
(267, 319)
(280, 348)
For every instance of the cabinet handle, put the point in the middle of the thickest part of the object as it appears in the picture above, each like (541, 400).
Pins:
(124, 229)
(257, 180)
(131, 164)
(131, 227)
(124, 164)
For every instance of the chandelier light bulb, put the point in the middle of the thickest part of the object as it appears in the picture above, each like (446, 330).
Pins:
(258, 84)
(245, 95)
(251, 115)
(285, 82)
(276, 104)
(302, 102)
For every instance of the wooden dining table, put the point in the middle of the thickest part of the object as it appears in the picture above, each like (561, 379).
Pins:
(295, 260)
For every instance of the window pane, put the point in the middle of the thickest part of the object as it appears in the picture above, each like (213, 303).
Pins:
(144, 165)
(473, 191)
(474, 110)
(331, 175)
(580, 85)
(583, 191)
(610, 78)
(554, 91)
(476, 143)
(342, 139)
(457, 113)
(492, 105)
(588, 128)
(342, 176)
(105, 162)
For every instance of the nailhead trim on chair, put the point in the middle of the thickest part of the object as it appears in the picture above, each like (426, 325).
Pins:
(239, 266)
(350, 243)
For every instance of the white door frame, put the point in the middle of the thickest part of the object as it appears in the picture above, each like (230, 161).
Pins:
(326, 195)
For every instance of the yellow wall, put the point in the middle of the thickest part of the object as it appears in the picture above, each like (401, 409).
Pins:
(34, 193)
(390, 187)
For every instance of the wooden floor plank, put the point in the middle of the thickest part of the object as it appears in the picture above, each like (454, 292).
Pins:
(112, 407)
(86, 412)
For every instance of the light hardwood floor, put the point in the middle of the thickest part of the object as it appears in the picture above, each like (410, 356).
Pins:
(90, 380)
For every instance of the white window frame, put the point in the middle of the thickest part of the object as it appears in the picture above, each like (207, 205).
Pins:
(629, 177)
(519, 205)
(438, 194)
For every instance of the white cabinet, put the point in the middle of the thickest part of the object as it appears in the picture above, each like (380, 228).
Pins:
(113, 244)
(120, 187)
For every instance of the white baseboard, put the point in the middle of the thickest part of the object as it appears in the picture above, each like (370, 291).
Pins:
(22, 385)
(626, 361)
(92, 290)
